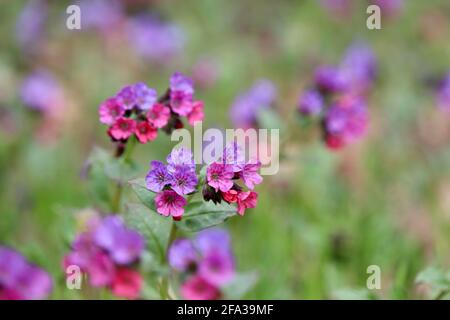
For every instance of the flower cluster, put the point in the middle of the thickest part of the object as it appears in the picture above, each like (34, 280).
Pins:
(107, 252)
(20, 280)
(443, 93)
(136, 110)
(339, 96)
(245, 108)
(206, 261)
(172, 182)
(222, 177)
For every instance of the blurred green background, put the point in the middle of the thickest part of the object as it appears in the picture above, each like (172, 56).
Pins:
(326, 216)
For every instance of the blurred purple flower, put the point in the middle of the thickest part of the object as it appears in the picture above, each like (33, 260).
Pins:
(40, 91)
(210, 240)
(155, 40)
(145, 97)
(310, 102)
(21, 280)
(181, 93)
(360, 67)
(245, 108)
(182, 255)
(102, 15)
(124, 245)
(30, 28)
(443, 93)
(331, 79)
(180, 157)
(389, 7)
(217, 267)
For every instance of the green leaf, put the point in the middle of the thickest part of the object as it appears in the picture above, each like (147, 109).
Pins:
(240, 285)
(154, 227)
(146, 196)
(437, 279)
(200, 215)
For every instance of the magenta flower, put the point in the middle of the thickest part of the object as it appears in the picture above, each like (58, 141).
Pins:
(145, 132)
(170, 203)
(347, 119)
(250, 175)
(217, 267)
(158, 177)
(197, 288)
(127, 283)
(219, 176)
(101, 269)
(182, 255)
(20, 280)
(246, 199)
(145, 97)
(196, 113)
(122, 129)
(181, 93)
(184, 180)
(158, 115)
(110, 110)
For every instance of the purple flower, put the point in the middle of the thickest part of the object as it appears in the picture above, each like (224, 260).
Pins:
(211, 240)
(170, 203)
(20, 279)
(123, 244)
(331, 79)
(155, 40)
(246, 106)
(180, 157)
(40, 91)
(360, 66)
(389, 7)
(219, 176)
(217, 267)
(182, 255)
(30, 25)
(102, 15)
(184, 180)
(347, 119)
(158, 177)
(181, 93)
(127, 97)
(250, 175)
(145, 97)
(310, 102)
(443, 93)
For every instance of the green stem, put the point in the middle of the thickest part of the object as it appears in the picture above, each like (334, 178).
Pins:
(164, 288)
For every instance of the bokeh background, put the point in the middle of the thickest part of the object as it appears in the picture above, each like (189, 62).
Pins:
(326, 216)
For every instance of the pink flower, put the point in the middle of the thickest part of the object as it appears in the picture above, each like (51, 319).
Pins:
(230, 196)
(197, 113)
(170, 203)
(101, 270)
(145, 132)
(219, 176)
(246, 199)
(250, 175)
(122, 129)
(158, 115)
(127, 283)
(109, 111)
(197, 288)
